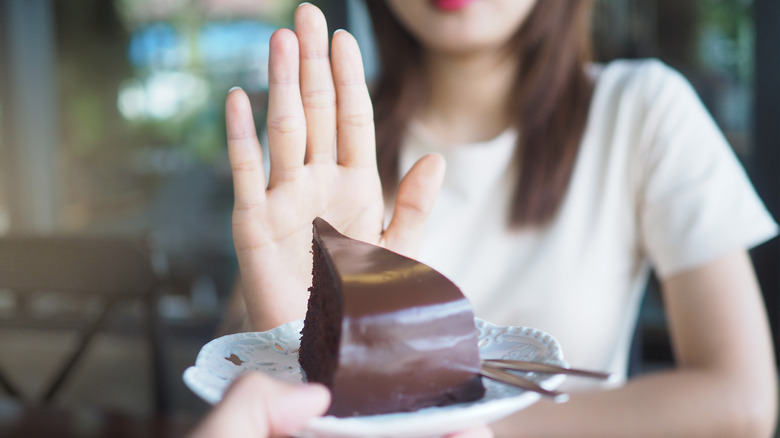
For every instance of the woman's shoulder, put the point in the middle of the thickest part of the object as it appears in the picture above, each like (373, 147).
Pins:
(647, 76)
(641, 68)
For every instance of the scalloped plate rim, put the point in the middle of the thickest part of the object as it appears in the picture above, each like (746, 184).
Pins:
(469, 414)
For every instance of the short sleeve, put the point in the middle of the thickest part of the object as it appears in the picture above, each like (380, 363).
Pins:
(696, 202)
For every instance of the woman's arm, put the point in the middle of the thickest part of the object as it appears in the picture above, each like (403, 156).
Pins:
(724, 383)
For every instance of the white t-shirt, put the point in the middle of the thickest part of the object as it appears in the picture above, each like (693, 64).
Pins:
(655, 185)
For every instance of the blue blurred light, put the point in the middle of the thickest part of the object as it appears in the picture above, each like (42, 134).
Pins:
(155, 45)
(220, 45)
(235, 41)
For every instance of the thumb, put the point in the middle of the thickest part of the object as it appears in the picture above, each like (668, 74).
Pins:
(413, 204)
(258, 406)
(476, 432)
(289, 412)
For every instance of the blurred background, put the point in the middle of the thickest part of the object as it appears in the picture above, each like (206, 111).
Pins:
(112, 126)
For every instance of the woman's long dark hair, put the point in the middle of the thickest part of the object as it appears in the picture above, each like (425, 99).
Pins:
(549, 105)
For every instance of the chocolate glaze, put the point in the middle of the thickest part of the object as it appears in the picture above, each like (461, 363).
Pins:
(384, 332)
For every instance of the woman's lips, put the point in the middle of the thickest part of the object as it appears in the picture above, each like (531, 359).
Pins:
(450, 5)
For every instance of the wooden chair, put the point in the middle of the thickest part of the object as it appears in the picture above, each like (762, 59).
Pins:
(112, 269)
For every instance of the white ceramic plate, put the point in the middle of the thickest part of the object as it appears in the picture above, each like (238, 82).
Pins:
(275, 352)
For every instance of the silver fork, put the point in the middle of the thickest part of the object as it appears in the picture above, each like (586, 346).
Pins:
(500, 375)
(540, 367)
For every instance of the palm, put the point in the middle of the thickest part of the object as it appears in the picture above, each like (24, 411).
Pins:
(313, 170)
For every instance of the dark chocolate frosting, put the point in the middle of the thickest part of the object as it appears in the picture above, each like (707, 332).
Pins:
(403, 334)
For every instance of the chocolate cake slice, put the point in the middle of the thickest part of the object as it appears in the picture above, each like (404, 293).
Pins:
(385, 333)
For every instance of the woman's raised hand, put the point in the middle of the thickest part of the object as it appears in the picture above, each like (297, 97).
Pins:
(322, 163)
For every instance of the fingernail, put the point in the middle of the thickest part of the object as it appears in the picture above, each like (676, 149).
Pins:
(313, 390)
(304, 3)
(338, 30)
(312, 395)
(234, 88)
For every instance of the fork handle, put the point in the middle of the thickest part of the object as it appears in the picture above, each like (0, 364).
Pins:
(503, 376)
(540, 367)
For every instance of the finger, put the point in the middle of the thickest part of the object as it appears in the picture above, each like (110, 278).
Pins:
(244, 153)
(286, 121)
(355, 116)
(317, 91)
(289, 412)
(413, 204)
(477, 432)
(255, 405)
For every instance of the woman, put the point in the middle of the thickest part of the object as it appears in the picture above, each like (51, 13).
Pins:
(566, 182)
